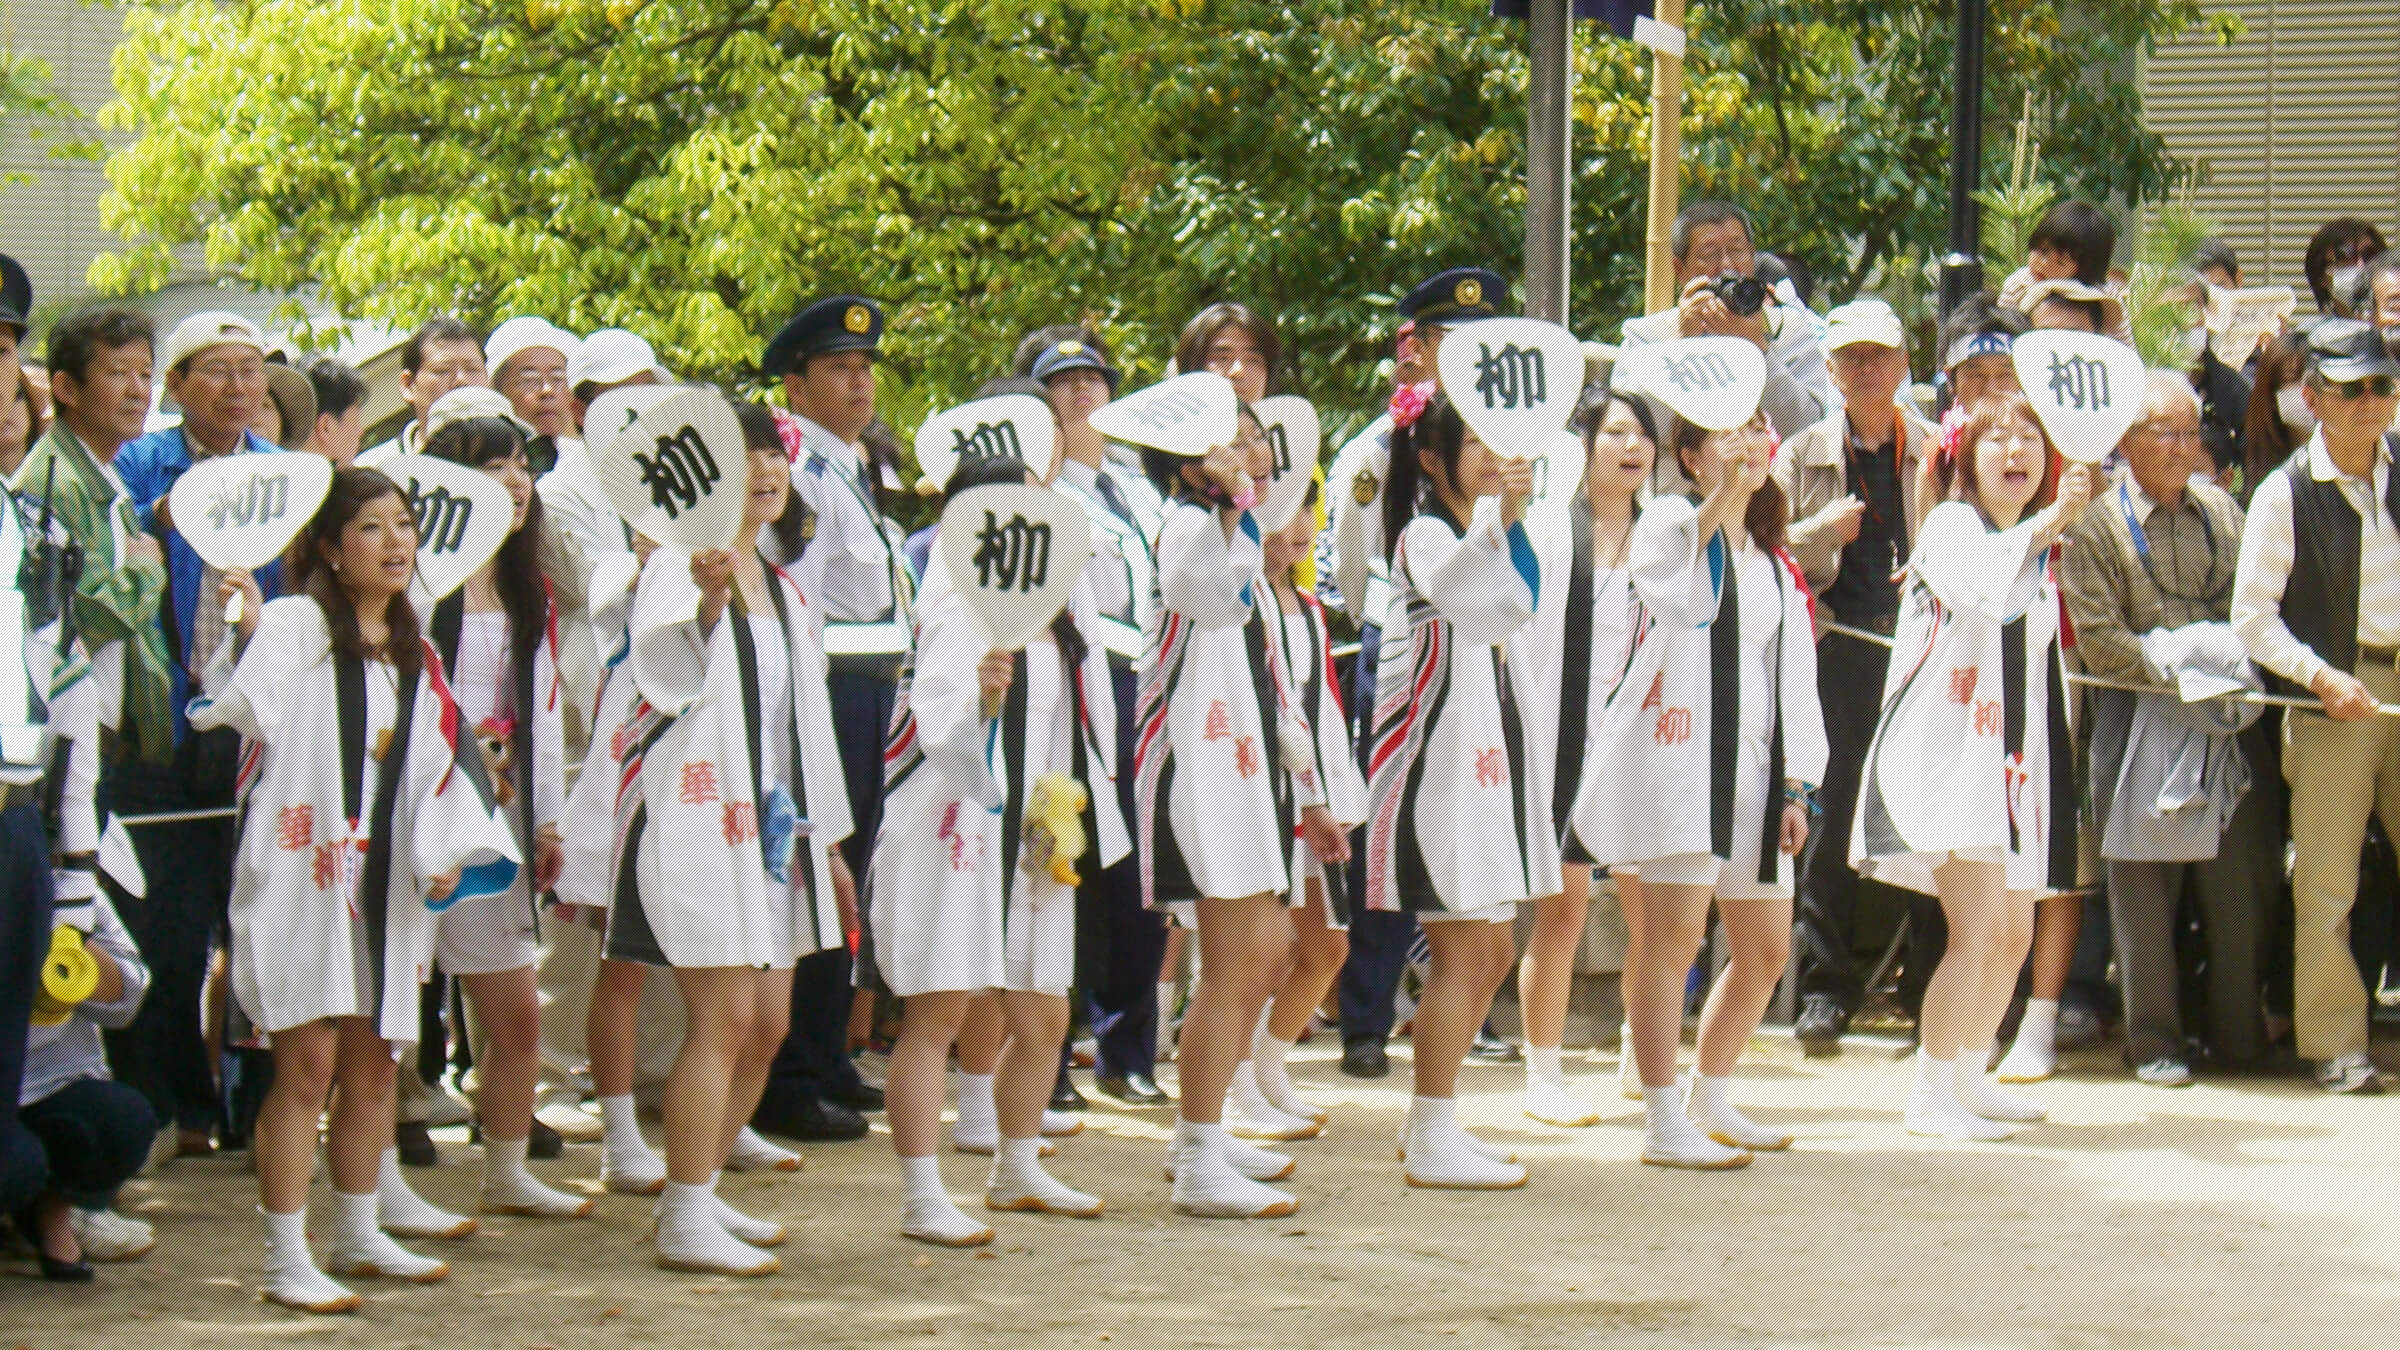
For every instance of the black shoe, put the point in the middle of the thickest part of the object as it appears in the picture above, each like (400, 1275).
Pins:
(1365, 1059)
(1490, 1049)
(1134, 1089)
(1064, 1097)
(810, 1120)
(860, 1097)
(415, 1143)
(65, 1272)
(1819, 1030)
(544, 1143)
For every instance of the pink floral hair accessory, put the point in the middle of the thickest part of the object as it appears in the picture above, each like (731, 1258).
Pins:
(1954, 425)
(1408, 403)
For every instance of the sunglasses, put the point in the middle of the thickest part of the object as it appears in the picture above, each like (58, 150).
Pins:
(2374, 386)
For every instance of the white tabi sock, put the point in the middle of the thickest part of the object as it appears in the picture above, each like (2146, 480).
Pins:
(293, 1279)
(1980, 1095)
(1710, 1105)
(1670, 1139)
(926, 1211)
(361, 1248)
(509, 1189)
(978, 1127)
(408, 1214)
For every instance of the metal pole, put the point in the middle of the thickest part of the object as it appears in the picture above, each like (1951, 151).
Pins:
(1962, 268)
(1666, 150)
(1549, 110)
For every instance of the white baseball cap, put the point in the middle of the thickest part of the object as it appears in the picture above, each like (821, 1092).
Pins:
(470, 401)
(211, 328)
(1864, 321)
(523, 334)
(612, 356)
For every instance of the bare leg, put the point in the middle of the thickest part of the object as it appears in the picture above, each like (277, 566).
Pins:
(1245, 947)
(1458, 991)
(1759, 934)
(1674, 919)
(609, 1026)
(286, 1130)
(1546, 977)
(913, 1086)
(507, 1003)
(1316, 960)
(722, 1002)
(771, 1017)
(981, 1035)
(2057, 924)
(1028, 1063)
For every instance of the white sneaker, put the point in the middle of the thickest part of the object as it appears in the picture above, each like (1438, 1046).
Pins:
(1249, 1115)
(375, 1254)
(1060, 1125)
(753, 1153)
(1208, 1184)
(106, 1235)
(1552, 1104)
(441, 1109)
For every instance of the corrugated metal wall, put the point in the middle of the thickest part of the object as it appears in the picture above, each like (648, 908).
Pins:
(2298, 121)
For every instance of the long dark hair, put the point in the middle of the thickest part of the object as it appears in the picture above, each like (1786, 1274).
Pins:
(760, 433)
(1191, 345)
(1164, 468)
(2266, 441)
(312, 575)
(1438, 428)
(976, 471)
(1767, 515)
(517, 567)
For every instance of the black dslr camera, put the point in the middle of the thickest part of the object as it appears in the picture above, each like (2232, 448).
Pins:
(1740, 294)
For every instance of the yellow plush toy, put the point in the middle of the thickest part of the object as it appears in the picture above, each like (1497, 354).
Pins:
(69, 975)
(1054, 827)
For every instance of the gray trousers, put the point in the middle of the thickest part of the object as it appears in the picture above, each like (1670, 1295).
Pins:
(2233, 890)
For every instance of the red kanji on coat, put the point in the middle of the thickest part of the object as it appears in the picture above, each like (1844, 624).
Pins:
(1986, 720)
(295, 827)
(1962, 685)
(740, 823)
(1219, 724)
(1491, 767)
(1245, 756)
(1674, 727)
(696, 784)
(325, 864)
(1656, 696)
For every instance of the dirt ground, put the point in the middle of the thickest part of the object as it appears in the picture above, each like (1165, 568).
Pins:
(2237, 1212)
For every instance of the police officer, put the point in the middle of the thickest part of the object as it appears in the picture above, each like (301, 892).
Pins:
(854, 570)
(1379, 940)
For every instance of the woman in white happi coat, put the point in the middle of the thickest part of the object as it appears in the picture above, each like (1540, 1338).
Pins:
(1216, 808)
(729, 808)
(1261, 1104)
(1582, 635)
(497, 637)
(1703, 774)
(1968, 792)
(1458, 810)
(358, 822)
(962, 900)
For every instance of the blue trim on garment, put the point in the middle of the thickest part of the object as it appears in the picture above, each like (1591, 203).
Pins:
(1718, 553)
(1520, 553)
(484, 879)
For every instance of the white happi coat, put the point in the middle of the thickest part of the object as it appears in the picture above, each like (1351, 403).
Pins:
(1651, 778)
(699, 867)
(943, 891)
(1213, 711)
(589, 825)
(1564, 680)
(1306, 651)
(1939, 775)
(292, 945)
(1458, 800)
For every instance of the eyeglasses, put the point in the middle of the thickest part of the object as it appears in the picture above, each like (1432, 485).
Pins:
(2374, 386)
(2189, 435)
(536, 381)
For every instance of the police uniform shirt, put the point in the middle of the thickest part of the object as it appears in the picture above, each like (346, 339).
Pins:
(848, 568)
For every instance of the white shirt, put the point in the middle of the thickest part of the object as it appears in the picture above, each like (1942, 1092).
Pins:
(2266, 565)
(572, 496)
(406, 443)
(849, 567)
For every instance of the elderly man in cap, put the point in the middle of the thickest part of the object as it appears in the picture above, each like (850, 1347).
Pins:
(1853, 483)
(2149, 584)
(610, 358)
(529, 358)
(1717, 294)
(825, 358)
(440, 356)
(1379, 940)
(2316, 600)
(216, 371)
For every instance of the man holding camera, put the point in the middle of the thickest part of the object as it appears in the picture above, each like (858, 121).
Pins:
(1719, 295)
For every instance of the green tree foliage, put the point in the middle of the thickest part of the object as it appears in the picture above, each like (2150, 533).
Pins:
(696, 168)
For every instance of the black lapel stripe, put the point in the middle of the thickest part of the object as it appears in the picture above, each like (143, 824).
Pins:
(1512, 734)
(2065, 794)
(803, 867)
(375, 884)
(1724, 702)
(1770, 838)
(1575, 673)
(2013, 638)
(1262, 688)
(1012, 762)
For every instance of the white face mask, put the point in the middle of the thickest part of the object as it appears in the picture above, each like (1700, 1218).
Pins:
(2292, 407)
(2193, 342)
(2342, 280)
